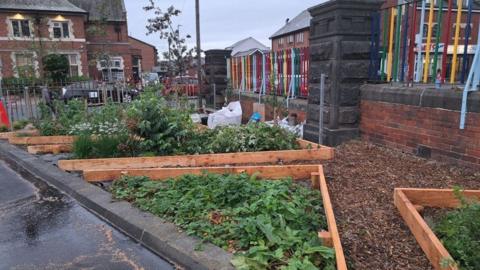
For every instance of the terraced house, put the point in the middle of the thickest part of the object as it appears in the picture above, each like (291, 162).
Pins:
(93, 34)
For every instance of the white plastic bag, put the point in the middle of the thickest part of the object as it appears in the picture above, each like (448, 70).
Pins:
(230, 115)
(196, 118)
(297, 130)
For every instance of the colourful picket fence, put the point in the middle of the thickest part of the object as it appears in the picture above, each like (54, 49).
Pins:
(264, 72)
(414, 39)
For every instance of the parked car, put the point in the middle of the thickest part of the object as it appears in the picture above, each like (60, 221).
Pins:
(150, 78)
(96, 92)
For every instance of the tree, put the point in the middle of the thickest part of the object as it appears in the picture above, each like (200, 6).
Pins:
(178, 54)
(56, 66)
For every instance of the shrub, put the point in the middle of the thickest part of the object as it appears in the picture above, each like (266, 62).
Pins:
(163, 129)
(267, 224)
(3, 128)
(56, 66)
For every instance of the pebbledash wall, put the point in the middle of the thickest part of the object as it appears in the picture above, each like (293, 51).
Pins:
(421, 120)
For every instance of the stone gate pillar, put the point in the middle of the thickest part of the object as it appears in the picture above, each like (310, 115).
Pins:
(216, 72)
(340, 32)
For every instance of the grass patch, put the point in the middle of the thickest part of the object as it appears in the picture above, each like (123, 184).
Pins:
(266, 224)
(459, 231)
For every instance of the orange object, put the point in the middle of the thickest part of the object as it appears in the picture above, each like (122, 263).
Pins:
(4, 115)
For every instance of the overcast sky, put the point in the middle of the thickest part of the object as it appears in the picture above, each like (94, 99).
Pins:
(223, 22)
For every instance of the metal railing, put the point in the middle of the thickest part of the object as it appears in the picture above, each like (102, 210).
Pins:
(21, 97)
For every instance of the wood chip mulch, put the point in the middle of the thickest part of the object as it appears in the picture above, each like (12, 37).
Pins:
(361, 182)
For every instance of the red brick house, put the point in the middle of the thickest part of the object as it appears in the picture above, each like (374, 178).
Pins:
(93, 34)
(149, 54)
(294, 34)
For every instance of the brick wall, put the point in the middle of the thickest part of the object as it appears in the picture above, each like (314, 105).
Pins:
(148, 53)
(43, 40)
(276, 46)
(422, 121)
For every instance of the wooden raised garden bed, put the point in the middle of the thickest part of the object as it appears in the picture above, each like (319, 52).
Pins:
(49, 149)
(410, 201)
(42, 140)
(8, 135)
(331, 238)
(310, 152)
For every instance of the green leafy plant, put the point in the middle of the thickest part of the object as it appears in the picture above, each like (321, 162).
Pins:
(163, 130)
(267, 224)
(20, 124)
(82, 147)
(62, 118)
(247, 138)
(104, 146)
(459, 231)
(3, 128)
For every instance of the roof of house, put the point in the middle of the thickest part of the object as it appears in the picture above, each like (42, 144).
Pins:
(301, 21)
(43, 5)
(110, 10)
(141, 41)
(251, 52)
(245, 45)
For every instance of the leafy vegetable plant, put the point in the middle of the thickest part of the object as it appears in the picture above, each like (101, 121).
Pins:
(459, 231)
(267, 224)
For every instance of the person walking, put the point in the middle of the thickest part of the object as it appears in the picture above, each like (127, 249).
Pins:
(438, 79)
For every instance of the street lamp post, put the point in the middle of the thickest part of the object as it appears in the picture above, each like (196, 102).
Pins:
(199, 53)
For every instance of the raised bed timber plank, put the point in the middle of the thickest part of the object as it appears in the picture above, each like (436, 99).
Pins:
(271, 172)
(409, 200)
(331, 223)
(8, 135)
(41, 140)
(316, 153)
(49, 148)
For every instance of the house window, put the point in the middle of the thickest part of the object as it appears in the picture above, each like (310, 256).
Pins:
(300, 37)
(21, 28)
(463, 31)
(113, 71)
(24, 65)
(74, 66)
(290, 39)
(61, 30)
(280, 41)
(23, 60)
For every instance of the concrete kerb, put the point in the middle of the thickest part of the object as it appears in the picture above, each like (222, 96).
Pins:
(161, 237)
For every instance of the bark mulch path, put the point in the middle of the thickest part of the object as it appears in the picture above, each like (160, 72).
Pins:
(361, 182)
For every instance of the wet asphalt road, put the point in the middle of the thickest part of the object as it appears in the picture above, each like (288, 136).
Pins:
(42, 229)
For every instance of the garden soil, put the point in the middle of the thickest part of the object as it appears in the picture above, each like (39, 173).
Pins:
(361, 181)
